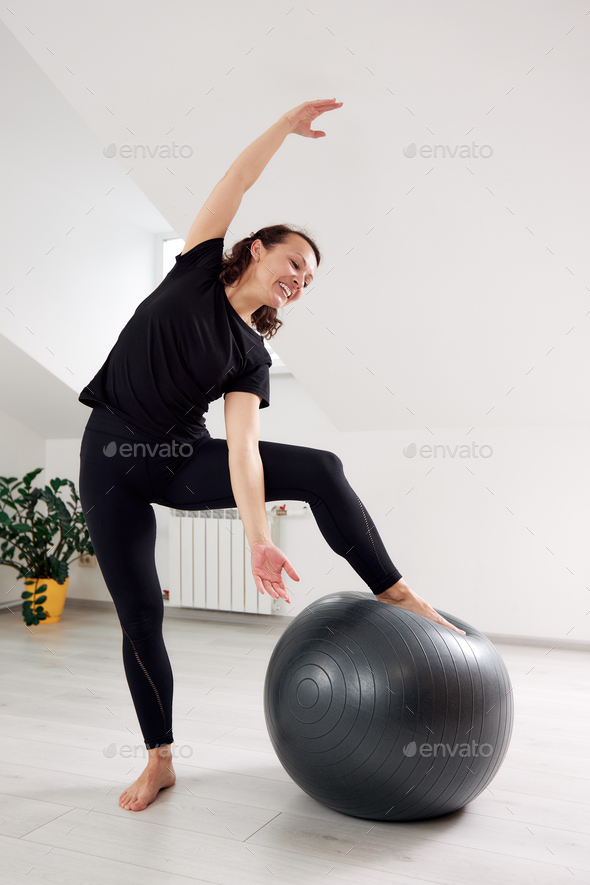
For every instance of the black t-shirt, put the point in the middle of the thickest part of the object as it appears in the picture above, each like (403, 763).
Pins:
(183, 348)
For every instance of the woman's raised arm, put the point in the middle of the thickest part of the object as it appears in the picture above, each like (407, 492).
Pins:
(249, 165)
(218, 211)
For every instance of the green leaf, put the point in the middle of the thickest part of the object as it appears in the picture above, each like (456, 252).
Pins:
(30, 533)
(25, 594)
(40, 600)
(58, 568)
(41, 588)
(29, 476)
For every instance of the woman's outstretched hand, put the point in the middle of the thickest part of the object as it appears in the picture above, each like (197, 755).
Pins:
(301, 117)
(268, 563)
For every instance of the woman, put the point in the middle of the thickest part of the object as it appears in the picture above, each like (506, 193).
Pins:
(188, 343)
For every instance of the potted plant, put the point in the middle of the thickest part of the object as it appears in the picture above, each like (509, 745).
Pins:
(27, 534)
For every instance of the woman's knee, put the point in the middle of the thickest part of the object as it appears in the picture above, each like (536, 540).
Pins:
(299, 469)
(144, 622)
(322, 470)
(328, 461)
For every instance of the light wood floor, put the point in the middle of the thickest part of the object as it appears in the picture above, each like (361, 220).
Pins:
(234, 815)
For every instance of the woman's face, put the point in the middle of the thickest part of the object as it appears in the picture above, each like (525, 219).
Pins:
(289, 265)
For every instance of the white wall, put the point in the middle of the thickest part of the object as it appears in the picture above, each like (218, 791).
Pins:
(21, 450)
(476, 277)
(79, 254)
(63, 460)
(450, 279)
(500, 541)
(78, 235)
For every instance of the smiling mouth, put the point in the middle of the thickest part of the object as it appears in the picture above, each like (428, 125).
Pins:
(284, 288)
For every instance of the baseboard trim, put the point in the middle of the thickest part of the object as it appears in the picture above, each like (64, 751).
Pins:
(75, 602)
(201, 614)
(539, 641)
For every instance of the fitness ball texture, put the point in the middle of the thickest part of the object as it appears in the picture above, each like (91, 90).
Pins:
(383, 714)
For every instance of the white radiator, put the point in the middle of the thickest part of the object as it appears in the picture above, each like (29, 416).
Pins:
(210, 563)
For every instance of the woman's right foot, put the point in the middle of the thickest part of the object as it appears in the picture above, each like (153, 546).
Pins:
(147, 786)
(401, 595)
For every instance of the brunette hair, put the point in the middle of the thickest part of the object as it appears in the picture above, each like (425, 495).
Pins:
(238, 258)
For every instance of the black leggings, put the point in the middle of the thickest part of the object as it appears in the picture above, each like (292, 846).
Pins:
(118, 483)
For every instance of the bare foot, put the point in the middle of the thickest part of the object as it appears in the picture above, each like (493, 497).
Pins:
(401, 596)
(147, 786)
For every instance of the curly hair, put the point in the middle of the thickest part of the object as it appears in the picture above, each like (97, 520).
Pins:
(238, 258)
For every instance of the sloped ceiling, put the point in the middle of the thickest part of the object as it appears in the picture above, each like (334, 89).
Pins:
(39, 400)
(454, 289)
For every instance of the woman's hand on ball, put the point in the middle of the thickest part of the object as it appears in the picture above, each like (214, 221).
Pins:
(301, 117)
(401, 595)
(268, 563)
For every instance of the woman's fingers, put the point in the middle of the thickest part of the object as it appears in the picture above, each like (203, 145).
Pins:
(279, 589)
(330, 107)
(280, 592)
(272, 561)
(284, 593)
(291, 571)
(268, 588)
(272, 587)
(330, 103)
(313, 109)
(446, 623)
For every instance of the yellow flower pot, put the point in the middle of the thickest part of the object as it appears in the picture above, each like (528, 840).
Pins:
(56, 597)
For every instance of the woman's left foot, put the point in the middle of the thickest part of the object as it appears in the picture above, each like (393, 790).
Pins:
(147, 786)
